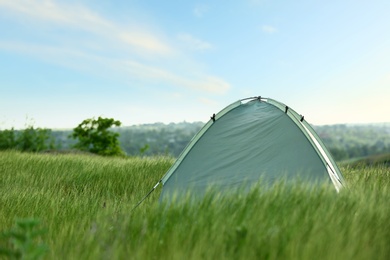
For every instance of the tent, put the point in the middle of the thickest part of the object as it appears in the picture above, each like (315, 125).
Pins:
(251, 139)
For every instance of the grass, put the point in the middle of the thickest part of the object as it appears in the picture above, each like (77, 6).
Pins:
(84, 203)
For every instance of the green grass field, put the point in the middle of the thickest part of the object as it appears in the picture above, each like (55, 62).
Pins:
(84, 204)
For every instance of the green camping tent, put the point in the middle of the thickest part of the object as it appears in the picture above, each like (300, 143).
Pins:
(251, 139)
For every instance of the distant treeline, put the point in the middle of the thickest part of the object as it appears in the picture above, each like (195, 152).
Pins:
(147, 139)
(353, 141)
(343, 141)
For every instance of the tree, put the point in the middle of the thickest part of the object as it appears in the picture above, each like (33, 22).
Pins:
(8, 139)
(35, 139)
(94, 136)
(28, 140)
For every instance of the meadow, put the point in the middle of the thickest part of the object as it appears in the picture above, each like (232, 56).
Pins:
(83, 205)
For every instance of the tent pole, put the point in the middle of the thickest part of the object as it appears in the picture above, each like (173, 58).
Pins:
(147, 195)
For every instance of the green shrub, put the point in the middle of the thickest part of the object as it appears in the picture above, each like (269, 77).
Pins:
(23, 240)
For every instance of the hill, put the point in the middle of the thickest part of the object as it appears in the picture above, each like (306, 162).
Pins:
(371, 160)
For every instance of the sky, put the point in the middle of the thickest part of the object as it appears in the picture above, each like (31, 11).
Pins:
(172, 61)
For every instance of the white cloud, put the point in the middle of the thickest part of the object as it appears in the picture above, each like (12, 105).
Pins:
(208, 102)
(200, 9)
(193, 43)
(105, 49)
(206, 83)
(52, 13)
(269, 29)
(212, 84)
(68, 57)
(145, 41)
(84, 61)
(78, 17)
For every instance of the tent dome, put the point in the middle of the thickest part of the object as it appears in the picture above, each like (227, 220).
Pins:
(251, 139)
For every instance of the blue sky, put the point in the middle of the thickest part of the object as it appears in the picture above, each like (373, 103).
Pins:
(171, 61)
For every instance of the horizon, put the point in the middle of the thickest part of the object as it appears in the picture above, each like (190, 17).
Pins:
(376, 124)
(142, 62)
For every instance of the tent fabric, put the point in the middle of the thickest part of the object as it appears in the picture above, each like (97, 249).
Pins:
(249, 140)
